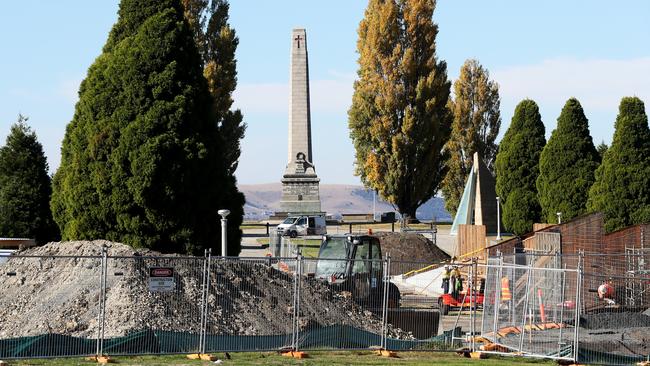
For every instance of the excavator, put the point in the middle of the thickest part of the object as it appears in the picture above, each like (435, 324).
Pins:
(353, 263)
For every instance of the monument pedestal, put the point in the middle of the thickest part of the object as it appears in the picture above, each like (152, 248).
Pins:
(300, 194)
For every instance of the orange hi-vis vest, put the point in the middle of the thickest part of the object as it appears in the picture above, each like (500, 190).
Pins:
(505, 289)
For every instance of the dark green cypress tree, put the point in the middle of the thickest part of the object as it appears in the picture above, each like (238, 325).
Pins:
(25, 187)
(567, 165)
(602, 149)
(519, 211)
(517, 168)
(622, 187)
(141, 160)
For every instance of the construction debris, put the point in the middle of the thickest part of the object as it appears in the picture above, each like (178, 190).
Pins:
(61, 296)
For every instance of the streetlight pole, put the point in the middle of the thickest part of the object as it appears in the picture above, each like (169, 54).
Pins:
(559, 217)
(374, 204)
(498, 219)
(224, 234)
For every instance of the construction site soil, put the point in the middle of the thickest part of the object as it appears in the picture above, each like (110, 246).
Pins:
(408, 248)
(614, 320)
(619, 332)
(50, 289)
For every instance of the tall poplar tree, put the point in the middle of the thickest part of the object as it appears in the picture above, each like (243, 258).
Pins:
(476, 125)
(217, 42)
(517, 167)
(142, 161)
(399, 120)
(567, 165)
(25, 187)
(622, 187)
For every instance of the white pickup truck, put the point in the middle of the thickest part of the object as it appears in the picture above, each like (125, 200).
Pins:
(302, 225)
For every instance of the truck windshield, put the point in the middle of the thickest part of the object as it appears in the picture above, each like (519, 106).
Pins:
(332, 258)
(289, 220)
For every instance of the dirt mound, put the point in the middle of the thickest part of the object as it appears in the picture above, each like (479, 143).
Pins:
(614, 320)
(410, 247)
(61, 295)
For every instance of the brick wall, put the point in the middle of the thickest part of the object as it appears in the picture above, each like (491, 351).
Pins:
(583, 233)
(617, 241)
(604, 259)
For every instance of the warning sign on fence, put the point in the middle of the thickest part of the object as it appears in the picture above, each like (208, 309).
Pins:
(161, 279)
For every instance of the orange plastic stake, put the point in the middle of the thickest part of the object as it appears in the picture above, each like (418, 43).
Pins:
(542, 313)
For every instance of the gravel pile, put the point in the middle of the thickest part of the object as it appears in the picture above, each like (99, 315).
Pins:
(44, 295)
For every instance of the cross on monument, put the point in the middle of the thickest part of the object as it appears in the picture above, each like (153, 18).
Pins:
(298, 39)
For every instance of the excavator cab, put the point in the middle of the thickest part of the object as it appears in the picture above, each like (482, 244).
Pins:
(353, 263)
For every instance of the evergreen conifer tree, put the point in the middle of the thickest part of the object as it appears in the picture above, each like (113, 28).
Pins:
(622, 187)
(141, 159)
(399, 120)
(25, 187)
(602, 149)
(517, 167)
(567, 165)
(476, 125)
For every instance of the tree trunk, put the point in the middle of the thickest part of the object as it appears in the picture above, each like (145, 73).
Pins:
(408, 215)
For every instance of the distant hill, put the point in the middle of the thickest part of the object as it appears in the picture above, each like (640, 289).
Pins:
(336, 199)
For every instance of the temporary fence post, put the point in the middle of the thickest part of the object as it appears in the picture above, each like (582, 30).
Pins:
(206, 305)
(102, 308)
(562, 289)
(497, 297)
(485, 291)
(101, 303)
(294, 326)
(300, 260)
(472, 302)
(578, 305)
(384, 305)
(203, 295)
(555, 274)
(523, 320)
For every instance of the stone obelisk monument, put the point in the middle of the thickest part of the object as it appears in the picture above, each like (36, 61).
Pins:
(300, 193)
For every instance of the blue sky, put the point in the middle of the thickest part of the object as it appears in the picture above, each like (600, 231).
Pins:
(549, 51)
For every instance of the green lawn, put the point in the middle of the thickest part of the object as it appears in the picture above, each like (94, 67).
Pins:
(315, 358)
(309, 247)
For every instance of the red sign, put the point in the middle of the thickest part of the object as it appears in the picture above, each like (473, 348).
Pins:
(161, 272)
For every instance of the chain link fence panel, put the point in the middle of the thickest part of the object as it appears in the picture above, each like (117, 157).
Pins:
(531, 310)
(338, 310)
(153, 305)
(251, 304)
(49, 306)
